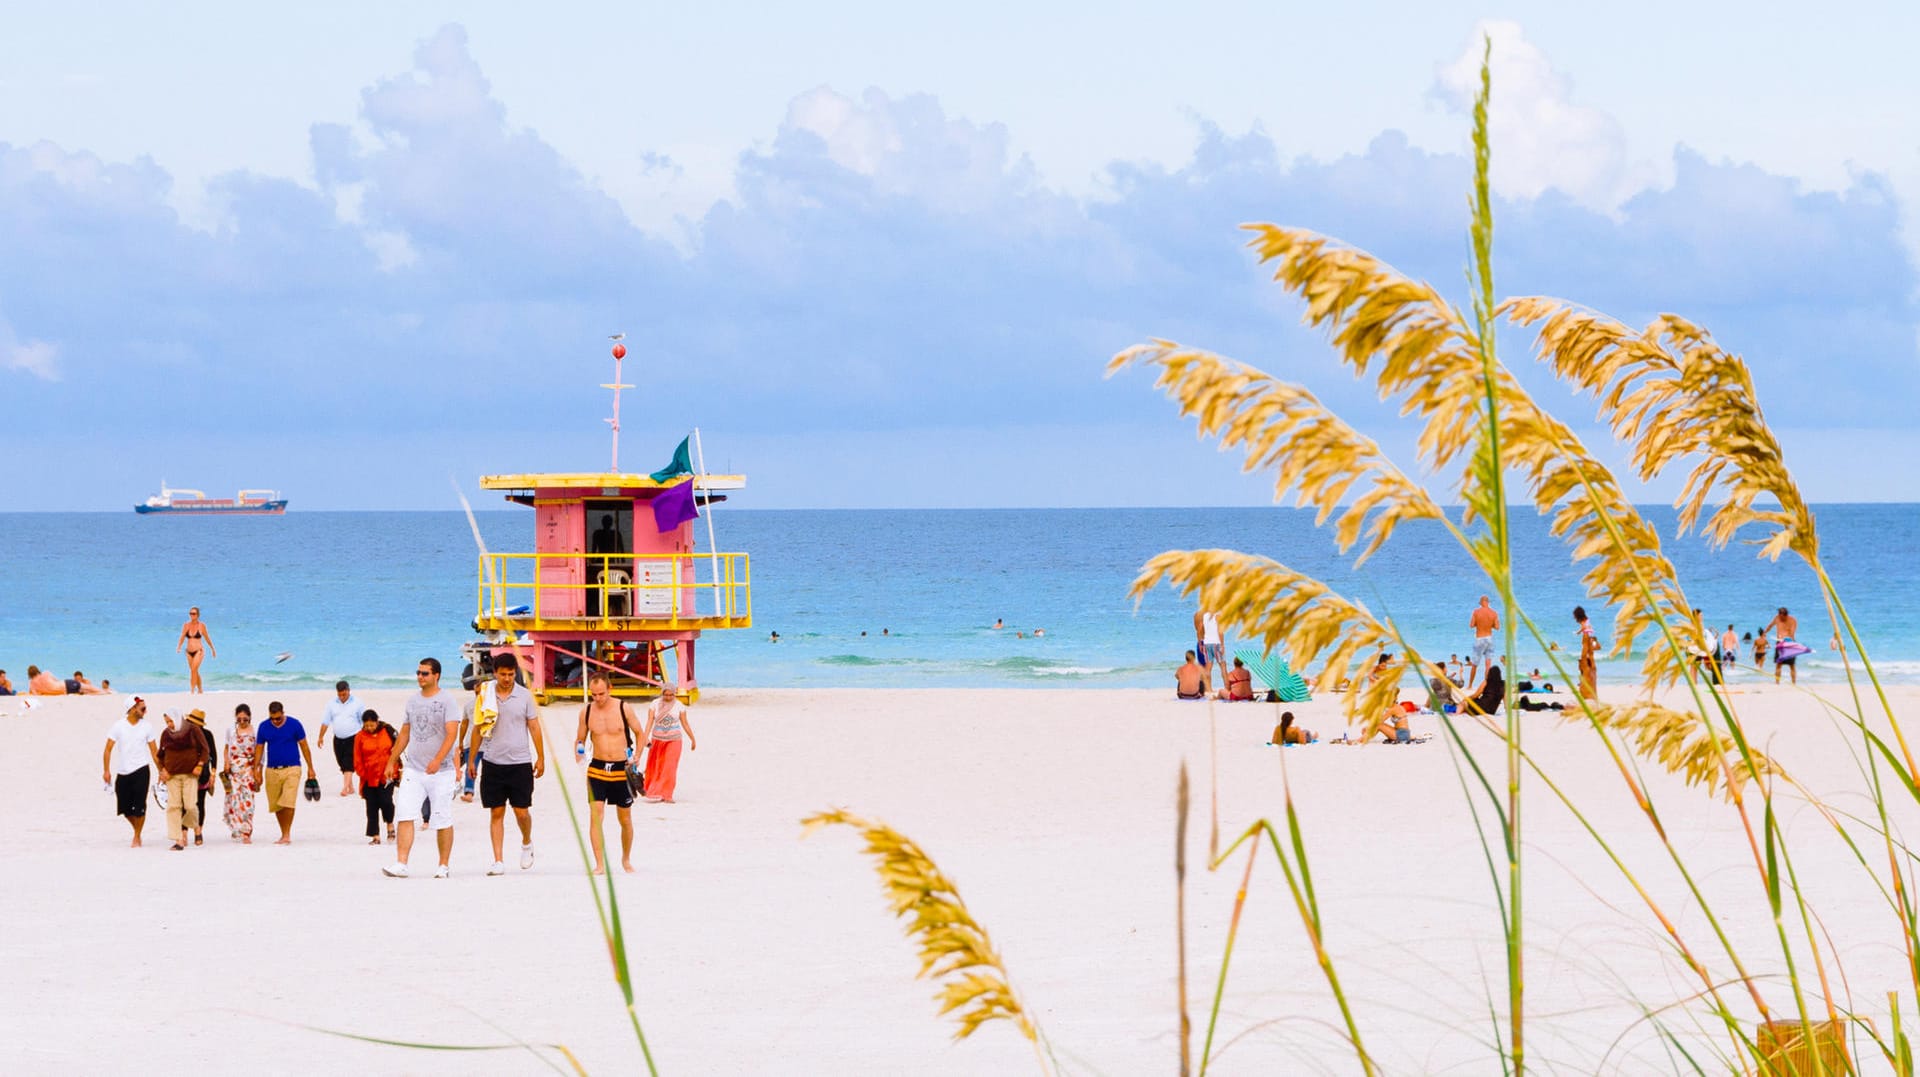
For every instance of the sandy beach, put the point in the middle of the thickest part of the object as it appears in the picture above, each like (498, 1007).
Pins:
(758, 952)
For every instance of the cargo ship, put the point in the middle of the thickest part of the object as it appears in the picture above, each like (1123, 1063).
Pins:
(184, 502)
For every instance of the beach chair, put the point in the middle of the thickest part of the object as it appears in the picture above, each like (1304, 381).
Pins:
(1273, 671)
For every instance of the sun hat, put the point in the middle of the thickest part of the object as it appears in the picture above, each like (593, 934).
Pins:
(197, 716)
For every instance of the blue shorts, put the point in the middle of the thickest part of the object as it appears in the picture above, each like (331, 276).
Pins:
(1210, 654)
(1483, 648)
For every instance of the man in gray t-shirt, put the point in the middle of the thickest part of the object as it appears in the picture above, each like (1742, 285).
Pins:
(427, 742)
(515, 754)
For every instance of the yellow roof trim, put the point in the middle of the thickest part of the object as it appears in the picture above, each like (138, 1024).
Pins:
(589, 480)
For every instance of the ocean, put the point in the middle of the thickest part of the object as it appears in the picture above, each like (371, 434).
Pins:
(860, 598)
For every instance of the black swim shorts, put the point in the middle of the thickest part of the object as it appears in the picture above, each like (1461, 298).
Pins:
(612, 790)
(343, 751)
(502, 784)
(130, 793)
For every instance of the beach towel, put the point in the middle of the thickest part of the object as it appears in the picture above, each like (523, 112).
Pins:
(1789, 648)
(1273, 671)
(485, 711)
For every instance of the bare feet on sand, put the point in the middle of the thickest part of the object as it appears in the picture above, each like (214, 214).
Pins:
(284, 841)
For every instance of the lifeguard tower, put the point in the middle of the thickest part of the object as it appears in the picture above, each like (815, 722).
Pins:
(615, 581)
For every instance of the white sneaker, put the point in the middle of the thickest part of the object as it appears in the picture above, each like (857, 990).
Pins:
(526, 857)
(395, 870)
(441, 872)
(497, 869)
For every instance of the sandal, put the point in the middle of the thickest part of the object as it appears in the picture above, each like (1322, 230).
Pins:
(199, 839)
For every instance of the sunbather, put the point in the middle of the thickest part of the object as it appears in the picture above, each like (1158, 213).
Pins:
(1190, 680)
(1239, 682)
(1287, 733)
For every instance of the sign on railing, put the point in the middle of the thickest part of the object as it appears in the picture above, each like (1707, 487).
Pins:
(575, 587)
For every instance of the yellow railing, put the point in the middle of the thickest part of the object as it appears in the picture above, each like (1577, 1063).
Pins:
(698, 590)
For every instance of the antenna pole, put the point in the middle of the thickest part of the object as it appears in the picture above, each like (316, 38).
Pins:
(619, 353)
(713, 547)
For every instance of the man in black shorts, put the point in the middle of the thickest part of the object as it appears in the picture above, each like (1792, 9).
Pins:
(611, 725)
(342, 719)
(507, 724)
(128, 764)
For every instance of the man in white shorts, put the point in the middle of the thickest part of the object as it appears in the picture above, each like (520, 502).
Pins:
(427, 739)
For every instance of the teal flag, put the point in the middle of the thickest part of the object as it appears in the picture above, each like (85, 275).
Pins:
(682, 464)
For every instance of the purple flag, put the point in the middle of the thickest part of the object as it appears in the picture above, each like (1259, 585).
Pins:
(674, 506)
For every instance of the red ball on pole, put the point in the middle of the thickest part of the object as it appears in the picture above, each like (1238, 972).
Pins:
(619, 351)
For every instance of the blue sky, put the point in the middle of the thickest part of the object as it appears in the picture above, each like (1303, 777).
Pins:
(880, 256)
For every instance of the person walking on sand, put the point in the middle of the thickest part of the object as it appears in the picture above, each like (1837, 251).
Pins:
(372, 749)
(342, 719)
(283, 741)
(124, 765)
(609, 727)
(428, 738)
(242, 775)
(666, 721)
(197, 718)
(1788, 627)
(194, 639)
(1206, 629)
(183, 758)
(1589, 655)
(1483, 621)
(515, 755)
(1729, 647)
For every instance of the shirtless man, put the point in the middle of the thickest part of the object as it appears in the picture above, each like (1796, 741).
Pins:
(1190, 680)
(611, 727)
(1789, 629)
(87, 687)
(42, 683)
(1484, 621)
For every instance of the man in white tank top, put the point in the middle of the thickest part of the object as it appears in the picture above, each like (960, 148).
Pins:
(1210, 649)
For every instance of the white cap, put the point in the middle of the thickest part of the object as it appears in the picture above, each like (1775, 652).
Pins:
(132, 702)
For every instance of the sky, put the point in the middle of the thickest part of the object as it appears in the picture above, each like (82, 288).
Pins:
(879, 254)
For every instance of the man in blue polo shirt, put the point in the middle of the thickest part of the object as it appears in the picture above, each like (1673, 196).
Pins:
(283, 744)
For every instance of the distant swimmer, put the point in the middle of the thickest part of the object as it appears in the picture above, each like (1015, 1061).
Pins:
(999, 623)
(1038, 632)
(194, 639)
(886, 631)
(774, 638)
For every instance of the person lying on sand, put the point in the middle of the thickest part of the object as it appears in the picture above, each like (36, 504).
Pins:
(1190, 680)
(42, 683)
(1287, 733)
(1239, 683)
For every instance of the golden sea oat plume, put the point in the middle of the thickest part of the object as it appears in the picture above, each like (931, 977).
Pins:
(1680, 742)
(954, 948)
(1671, 393)
(1284, 428)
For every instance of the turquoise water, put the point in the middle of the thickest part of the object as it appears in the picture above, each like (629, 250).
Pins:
(363, 595)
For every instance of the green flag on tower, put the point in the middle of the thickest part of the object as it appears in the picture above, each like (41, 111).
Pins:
(681, 464)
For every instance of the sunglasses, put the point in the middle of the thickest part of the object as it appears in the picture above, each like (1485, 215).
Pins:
(423, 673)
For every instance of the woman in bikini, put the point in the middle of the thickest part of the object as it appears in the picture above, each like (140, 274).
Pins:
(195, 639)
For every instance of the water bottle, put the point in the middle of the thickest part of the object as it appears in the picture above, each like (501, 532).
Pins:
(580, 752)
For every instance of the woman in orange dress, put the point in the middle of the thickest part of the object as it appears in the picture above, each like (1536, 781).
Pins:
(195, 640)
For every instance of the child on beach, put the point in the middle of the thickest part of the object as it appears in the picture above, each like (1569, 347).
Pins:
(666, 722)
(372, 749)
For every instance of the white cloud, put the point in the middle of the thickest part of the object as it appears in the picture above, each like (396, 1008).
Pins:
(1542, 139)
(35, 357)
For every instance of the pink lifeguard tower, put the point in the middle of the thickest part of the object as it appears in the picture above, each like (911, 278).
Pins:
(606, 588)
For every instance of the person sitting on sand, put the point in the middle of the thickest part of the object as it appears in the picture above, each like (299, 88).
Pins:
(42, 683)
(1239, 683)
(1287, 733)
(1490, 693)
(6, 686)
(1190, 680)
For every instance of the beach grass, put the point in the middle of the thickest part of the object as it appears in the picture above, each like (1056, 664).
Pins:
(1674, 399)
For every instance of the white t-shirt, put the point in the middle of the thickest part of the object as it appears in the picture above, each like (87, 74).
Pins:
(343, 719)
(666, 720)
(1209, 628)
(130, 746)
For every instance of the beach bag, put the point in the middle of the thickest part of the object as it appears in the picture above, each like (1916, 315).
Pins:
(636, 763)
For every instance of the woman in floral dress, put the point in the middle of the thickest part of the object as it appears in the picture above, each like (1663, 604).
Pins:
(239, 775)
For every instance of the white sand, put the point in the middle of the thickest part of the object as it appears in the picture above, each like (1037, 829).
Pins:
(758, 952)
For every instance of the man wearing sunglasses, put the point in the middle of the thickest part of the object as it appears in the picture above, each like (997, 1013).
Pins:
(427, 740)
